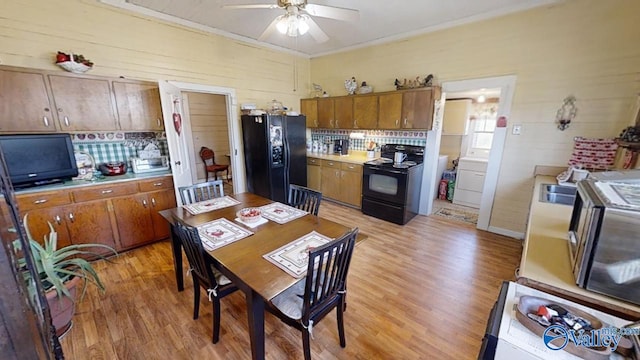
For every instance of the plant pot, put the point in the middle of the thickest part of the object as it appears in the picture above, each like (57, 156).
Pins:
(63, 308)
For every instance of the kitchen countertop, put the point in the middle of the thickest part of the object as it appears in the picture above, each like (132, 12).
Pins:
(100, 180)
(354, 157)
(545, 257)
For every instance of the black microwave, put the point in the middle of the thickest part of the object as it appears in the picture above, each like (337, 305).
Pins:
(604, 244)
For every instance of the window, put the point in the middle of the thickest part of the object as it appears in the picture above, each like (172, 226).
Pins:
(483, 124)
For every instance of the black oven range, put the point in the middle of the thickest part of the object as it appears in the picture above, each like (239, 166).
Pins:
(391, 184)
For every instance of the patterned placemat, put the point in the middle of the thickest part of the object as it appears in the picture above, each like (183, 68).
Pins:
(293, 258)
(210, 205)
(281, 213)
(221, 232)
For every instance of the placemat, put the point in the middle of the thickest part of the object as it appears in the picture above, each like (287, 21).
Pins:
(293, 258)
(218, 233)
(281, 213)
(210, 205)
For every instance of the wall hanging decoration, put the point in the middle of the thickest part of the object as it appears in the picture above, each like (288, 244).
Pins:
(566, 113)
(177, 119)
(76, 64)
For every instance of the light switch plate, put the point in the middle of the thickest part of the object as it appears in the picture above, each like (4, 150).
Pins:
(517, 129)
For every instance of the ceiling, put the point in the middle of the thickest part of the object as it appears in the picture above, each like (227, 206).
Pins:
(380, 20)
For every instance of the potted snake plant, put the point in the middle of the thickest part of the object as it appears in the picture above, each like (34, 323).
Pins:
(61, 271)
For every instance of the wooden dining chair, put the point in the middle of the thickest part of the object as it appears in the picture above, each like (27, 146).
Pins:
(203, 274)
(305, 303)
(201, 192)
(304, 199)
(209, 160)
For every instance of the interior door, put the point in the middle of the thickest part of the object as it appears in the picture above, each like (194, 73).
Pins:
(177, 139)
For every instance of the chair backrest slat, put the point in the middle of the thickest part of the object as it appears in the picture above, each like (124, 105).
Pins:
(304, 198)
(201, 192)
(198, 259)
(327, 272)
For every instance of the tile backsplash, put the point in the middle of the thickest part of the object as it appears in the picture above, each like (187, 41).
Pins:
(117, 146)
(380, 137)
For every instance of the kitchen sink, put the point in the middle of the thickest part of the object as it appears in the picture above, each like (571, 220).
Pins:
(557, 194)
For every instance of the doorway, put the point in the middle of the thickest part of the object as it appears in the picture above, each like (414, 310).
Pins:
(504, 86)
(181, 143)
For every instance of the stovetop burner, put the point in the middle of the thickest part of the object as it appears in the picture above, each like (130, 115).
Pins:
(379, 161)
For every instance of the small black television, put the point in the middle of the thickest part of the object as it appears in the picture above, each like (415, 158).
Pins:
(38, 159)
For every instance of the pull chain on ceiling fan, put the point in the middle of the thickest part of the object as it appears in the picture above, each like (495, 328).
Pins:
(297, 19)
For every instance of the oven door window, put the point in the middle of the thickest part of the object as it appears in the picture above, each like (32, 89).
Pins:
(383, 184)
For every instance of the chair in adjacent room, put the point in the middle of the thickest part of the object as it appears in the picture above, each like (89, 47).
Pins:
(209, 160)
(201, 192)
(203, 274)
(304, 199)
(305, 303)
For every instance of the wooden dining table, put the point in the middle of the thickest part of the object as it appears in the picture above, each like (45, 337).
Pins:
(242, 261)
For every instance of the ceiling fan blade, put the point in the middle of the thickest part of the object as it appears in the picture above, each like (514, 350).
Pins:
(316, 33)
(269, 30)
(332, 12)
(251, 6)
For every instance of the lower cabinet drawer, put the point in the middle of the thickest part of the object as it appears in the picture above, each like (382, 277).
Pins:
(467, 198)
(156, 184)
(470, 180)
(106, 191)
(42, 200)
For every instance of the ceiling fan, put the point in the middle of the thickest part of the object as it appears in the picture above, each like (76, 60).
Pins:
(297, 21)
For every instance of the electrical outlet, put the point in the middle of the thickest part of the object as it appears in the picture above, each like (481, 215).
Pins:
(517, 129)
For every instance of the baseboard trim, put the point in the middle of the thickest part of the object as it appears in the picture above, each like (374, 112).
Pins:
(505, 232)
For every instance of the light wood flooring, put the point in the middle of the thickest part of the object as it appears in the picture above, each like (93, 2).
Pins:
(419, 291)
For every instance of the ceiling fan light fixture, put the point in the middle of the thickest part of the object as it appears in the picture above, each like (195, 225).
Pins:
(303, 27)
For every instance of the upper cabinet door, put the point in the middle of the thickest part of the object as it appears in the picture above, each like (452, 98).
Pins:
(343, 112)
(417, 109)
(83, 104)
(309, 108)
(138, 105)
(389, 111)
(365, 112)
(325, 113)
(24, 102)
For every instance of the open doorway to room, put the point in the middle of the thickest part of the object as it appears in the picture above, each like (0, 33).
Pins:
(207, 114)
(466, 145)
(468, 126)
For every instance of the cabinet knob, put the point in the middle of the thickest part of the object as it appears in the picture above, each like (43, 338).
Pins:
(178, 163)
(355, 124)
(41, 201)
(405, 122)
(106, 191)
(45, 121)
(144, 203)
(158, 184)
(397, 122)
(71, 217)
(58, 219)
(66, 121)
(153, 202)
(159, 123)
(315, 121)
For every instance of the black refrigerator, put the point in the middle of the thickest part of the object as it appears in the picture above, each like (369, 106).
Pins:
(275, 154)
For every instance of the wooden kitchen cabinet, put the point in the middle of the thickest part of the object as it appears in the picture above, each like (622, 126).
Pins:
(83, 104)
(390, 110)
(25, 103)
(314, 174)
(365, 112)
(342, 182)
(118, 214)
(309, 108)
(351, 184)
(343, 112)
(80, 223)
(417, 109)
(325, 113)
(138, 105)
(137, 217)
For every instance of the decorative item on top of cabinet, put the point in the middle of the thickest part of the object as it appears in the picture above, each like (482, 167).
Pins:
(365, 89)
(76, 64)
(82, 103)
(138, 105)
(25, 104)
(413, 84)
(309, 108)
(351, 85)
